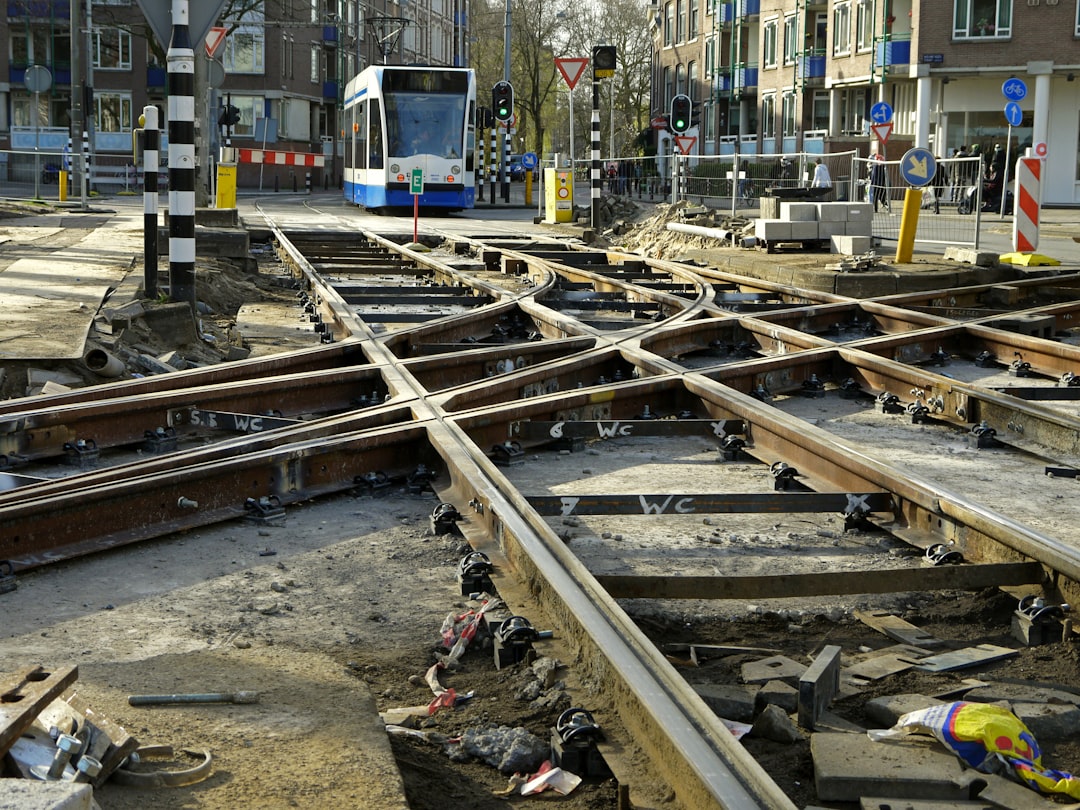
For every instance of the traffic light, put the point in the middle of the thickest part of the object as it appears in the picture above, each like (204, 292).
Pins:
(680, 114)
(603, 61)
(230, 116)
(502, 100)
(484, 118)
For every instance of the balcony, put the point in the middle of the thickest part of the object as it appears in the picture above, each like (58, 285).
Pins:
(39, 9)
(744, 77)
(61, 74)
(156, 77)
(329, 33)
(726, 13)
(330, 90)
(889, 52)
(811, 66)
(747, 8)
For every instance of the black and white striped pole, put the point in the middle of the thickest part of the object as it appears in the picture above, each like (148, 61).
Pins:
(181, 61)
(151, 142)
(596, 179)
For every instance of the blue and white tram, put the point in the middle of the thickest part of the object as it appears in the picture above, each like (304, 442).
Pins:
(399, 118)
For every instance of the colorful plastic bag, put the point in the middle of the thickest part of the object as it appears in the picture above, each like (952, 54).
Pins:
(988, 738)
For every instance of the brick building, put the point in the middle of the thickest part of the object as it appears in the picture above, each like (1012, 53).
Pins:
(781, 76)
(283, 65)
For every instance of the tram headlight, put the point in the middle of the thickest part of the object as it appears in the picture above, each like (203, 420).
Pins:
(395, 168)
(455, 169)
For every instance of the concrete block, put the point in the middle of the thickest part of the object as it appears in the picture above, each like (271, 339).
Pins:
(730, 701)
(819, 685)
(860, 228)
(828, 228)
(849, 245)
(849, 766)
(30, 794)
(983, 258)
(798, 211)
(832, 211)
(173, 323)
(1032, 324)
(1049, 721)
(804, 231)
(1004, 794)
(860, 212)
(886, 710)
(777, 693)
(1021, 693)
(772, 230)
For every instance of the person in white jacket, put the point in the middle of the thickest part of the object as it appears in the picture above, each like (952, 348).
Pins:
(821, 175)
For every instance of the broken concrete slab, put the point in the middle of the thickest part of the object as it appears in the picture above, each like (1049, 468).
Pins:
(819, 685)
(775, 724)
(886, 710)
(919, 804)
(1004, 794)
(730, 701)
(897, 629)
(1049, 721)
(777, 693)
(982, 258)
(776, 667)
(850, 766)
(967, 657)
(1023, 693)
(173, 323)
(881, 663)
(30, 794)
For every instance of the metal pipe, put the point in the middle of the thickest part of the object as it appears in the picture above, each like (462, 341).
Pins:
(198, 697)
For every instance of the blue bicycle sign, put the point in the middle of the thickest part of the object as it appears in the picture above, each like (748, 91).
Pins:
(1014, 89)
(881, 113)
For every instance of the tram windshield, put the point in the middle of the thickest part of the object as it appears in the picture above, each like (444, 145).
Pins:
(425, 113)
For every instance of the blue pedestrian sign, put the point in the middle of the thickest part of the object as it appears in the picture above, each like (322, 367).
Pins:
(881, 113)
(1013, 114)
(1014, 89)
(918, 167)
(529, 160)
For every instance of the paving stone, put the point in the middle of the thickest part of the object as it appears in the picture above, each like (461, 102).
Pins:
(886, 710)
(730, 701)
(777, 693)
(30, 794)
(849, 766)
(1005, 794)
(1022, 693)
(776, 667)
(919, 804)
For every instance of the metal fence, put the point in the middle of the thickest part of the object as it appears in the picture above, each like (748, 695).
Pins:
(952, 204)
(739, 181)
(36, 175)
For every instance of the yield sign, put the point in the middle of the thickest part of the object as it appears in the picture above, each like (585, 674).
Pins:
(685, 143)
(883, 131)
(214, 38)
(571, 68)
(201, 15)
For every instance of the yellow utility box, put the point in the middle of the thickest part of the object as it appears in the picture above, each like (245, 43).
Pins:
(226, 185)
(558, 195)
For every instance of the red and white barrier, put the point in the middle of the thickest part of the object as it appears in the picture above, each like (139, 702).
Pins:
(282, 158)
(1028, 198)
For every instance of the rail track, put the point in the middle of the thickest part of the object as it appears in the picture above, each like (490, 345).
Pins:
(466, 369)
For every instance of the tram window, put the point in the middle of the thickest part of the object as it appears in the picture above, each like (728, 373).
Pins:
(375, 150)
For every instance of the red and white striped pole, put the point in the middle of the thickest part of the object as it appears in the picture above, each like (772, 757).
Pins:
(1028, 199)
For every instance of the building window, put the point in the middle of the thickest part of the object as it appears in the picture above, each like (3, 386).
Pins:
(694, 9)
(251, 109)
(669, 89)
(853, 111)
(820, 110)
(788, 115)
(982, 19)
(791, 39)
(112, 49)
(245, 51)
(708, 121)
(112, 111)
(864, 26)
(768, 115)
(842, 29)
(680, 79)
(768, 44)
(692, 82)
(316, 64)
(669, 24)
(1077, 31)
(680, 20)
(710, 58)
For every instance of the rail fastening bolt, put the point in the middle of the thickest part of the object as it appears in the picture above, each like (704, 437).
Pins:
(186, 503)
(66, 745)
(88, 768)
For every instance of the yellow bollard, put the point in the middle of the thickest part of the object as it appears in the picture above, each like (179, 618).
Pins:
(909, 221)
(226, 185)
(528, 187)
(63, 185)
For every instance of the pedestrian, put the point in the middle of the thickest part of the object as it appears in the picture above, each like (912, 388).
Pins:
(941, 179)
(821, 175)
(959, 173)
(878, 192)
(997, 160)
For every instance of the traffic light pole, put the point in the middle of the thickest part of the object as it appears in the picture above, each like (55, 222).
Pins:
(596, 181)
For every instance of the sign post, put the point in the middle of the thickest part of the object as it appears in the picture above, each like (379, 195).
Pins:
(918, 167)
(571, 69)
(1014, 90)
(416, 188)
